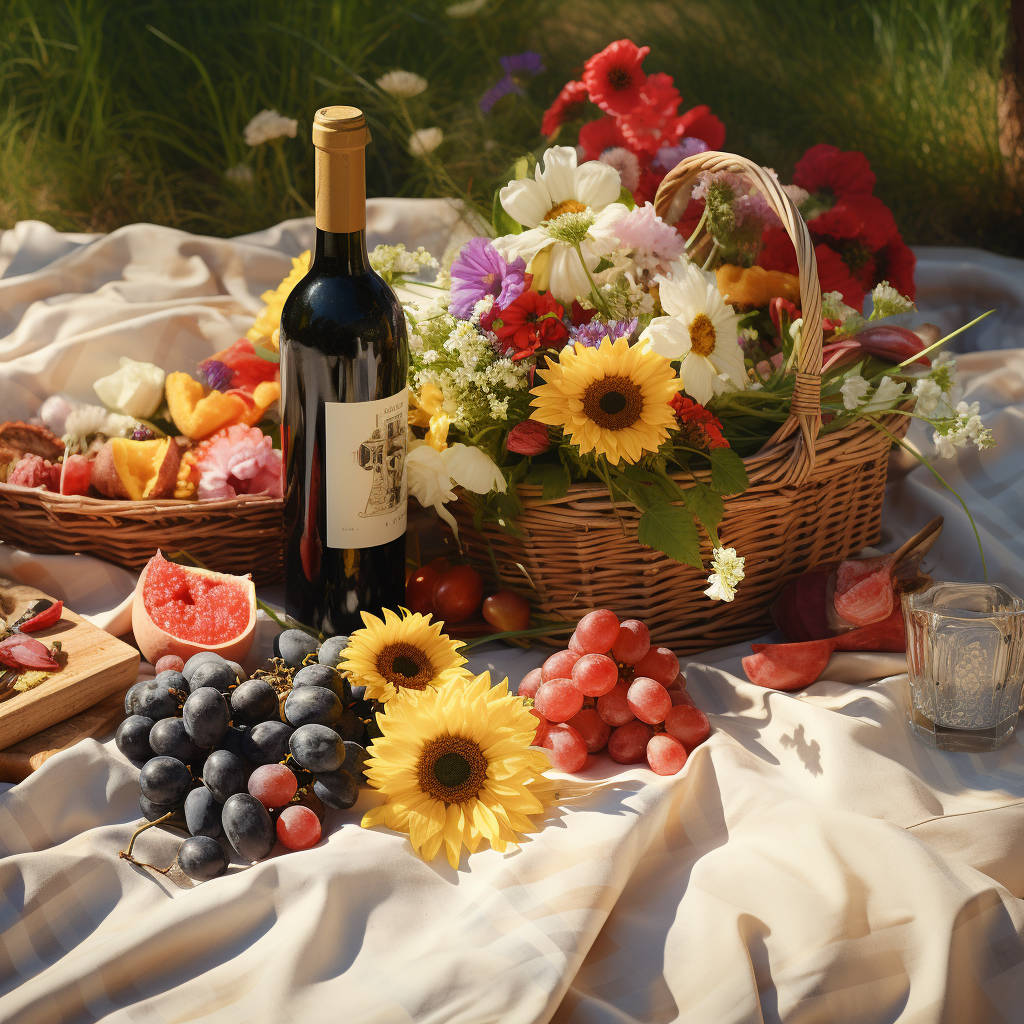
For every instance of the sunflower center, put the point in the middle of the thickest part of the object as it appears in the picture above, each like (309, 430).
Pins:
(613, 403)
(702, 335)
(566, 206)
(451, 769)
(403, 664)
(619, 78)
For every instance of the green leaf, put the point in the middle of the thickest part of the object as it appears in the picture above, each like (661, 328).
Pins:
(669, 528)
(706, 505)
(552, 477)
(626, 198)
(266, 353)
(728, 474)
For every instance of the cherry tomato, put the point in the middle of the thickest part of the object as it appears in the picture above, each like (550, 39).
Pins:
(419, 590)
(458, 593)
(506, 611)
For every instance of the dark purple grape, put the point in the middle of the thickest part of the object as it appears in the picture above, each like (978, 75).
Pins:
(293, 645)
(132, 738)
(337, 789)
(224, 774)
(165, 780)
(173, 681)
(201, 858)
(234, 740)
(351, 727)
(317, 748)
(267, 742)
(152, 811)
(170, 737)
(199, 659)
(202, 813)
(254, 701)
(319, 675)
(355, 759)
(218, 674)
(313, 704)
(154, 700)
(330, 650)
(206, 716)
(248, 827)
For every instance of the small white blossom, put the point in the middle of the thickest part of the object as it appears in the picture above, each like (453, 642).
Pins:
(466, 9)
(481, 309)
(943, 368)
(797, 194)
(393, 261)
(929, 396)
(267, 125)
(966, 425)
(886, 394)
(403, 84)
(88, 420)
(854, 388)
(424, 141)
(834, 308)
(886, 301)
(726, 573)
(240, 174)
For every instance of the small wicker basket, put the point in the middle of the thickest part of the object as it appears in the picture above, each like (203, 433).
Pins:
(238, 535)
(811, 499)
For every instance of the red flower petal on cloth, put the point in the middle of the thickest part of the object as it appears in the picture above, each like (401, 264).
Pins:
(567, 105)
(865, 218)
(825, 168)
(614, 77)
(895, 264)
(597, 136)
(528, 438)
(700, 123)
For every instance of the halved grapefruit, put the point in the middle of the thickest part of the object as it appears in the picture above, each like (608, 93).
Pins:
(178, 609)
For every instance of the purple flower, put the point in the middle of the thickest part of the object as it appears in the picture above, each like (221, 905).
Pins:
(215, 374)
(141, 433)
(596, 331)
(499, 91)
(529, 63)
(668, 156)
(480, 270)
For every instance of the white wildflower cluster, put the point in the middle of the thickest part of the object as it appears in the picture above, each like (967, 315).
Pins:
(481, 309)
(934, 392)
(268, 125)
(424, 141)
(964, 426)
(402, 84)
(855, 391)
(624, 297)
(834, 308)
(395, 261)
(476, 382)
(727, 571)
(886, 301)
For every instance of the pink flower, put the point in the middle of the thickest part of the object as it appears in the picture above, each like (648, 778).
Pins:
(240, 460)
(655, 244)
(528, 438)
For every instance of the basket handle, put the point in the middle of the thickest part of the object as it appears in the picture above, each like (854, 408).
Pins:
(805, 409)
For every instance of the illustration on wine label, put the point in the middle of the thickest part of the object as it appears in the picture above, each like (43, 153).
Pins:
(383, 455)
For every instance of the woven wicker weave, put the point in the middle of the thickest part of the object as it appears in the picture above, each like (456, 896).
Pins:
(239, 535)
(811, 499)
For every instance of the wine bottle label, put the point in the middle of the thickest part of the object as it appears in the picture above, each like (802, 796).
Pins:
(366, 489)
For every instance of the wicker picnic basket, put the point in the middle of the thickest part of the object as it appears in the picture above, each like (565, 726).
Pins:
(237, 535)
(812, 499)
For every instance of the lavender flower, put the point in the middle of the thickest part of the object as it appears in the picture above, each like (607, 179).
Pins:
(215, 374)
(141, 433)
(668, 156)
(591, 335)
(516, 64)
(478, 271)
(499, 91)
(528, 63)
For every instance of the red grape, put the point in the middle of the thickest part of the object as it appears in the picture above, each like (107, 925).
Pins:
(613, 706)
(665, 754)
(298, 827)
(506, 611)
(659, 664)
(419, 590)
(680, 697)
(458, 593)
(648, 700)
(273, 785)
(543, 725)
(688, 724)
(566, 749)
(528, 687)
(628, 743)
(595, 674)
(558, 700)
(632, 643)
(597, 631)
(169, 663)
(75, 475)
(594, 730)
(575, 645)
(559, 665)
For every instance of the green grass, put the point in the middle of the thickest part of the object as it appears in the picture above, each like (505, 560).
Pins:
(113, 112)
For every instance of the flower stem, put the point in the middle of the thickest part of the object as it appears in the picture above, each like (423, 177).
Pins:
(595, 294)
(697, 230)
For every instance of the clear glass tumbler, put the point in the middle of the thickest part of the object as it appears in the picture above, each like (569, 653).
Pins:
(965, 664)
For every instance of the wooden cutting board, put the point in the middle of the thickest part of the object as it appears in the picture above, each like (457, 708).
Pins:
(98, 666)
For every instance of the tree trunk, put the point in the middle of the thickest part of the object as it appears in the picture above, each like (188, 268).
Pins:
(1011, 98)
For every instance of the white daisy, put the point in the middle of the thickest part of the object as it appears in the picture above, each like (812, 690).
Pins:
(425, 140)
(403, 84)
(561, 206)
(701, 332)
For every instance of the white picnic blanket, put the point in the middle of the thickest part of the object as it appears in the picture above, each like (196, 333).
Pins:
(812, 863)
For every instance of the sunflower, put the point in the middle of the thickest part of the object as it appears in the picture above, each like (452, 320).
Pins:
(455, 766)
(613, 400)
(269, 319)
(401, 652)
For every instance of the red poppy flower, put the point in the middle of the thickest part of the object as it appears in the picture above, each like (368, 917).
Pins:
(614, 78)
(597, 136)
(531, 322)
(660, 94)
(700, 123)
(528, 438)
(835, 276)
(865, 218)
(568, 104)
(825, 168)
(699, 426)
(895, 264)
(777, 252)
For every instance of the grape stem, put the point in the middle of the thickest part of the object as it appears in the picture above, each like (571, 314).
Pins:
(127, 854)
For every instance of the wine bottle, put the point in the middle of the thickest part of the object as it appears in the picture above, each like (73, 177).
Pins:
(344, 405)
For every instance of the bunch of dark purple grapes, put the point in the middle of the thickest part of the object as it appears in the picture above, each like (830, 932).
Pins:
(241, 762)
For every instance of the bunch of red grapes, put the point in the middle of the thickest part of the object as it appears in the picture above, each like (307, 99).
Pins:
(612, 689)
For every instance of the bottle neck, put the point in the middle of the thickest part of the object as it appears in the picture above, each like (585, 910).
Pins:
(341, 252)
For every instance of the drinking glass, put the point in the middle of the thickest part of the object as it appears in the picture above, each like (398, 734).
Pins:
(965, 664)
